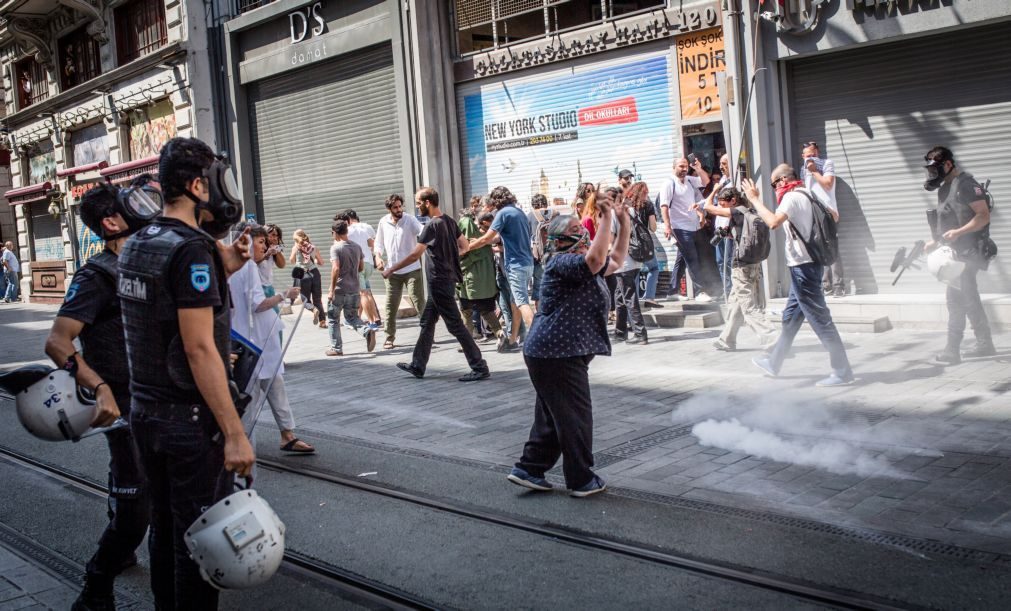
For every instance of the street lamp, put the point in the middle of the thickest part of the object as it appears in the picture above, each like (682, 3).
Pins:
(55, 202)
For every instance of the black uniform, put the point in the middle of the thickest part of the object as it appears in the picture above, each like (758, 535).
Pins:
(166, 267)
(953, 211)
(91, 299)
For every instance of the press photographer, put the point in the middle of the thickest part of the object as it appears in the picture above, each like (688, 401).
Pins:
(961, 223)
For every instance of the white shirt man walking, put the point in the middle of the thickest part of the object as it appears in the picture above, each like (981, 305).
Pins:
(11, 269)
(395, 240)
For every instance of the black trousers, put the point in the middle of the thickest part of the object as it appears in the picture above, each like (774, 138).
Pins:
(965, 304)
(182, 463)
(627, 310)
(128, 509)
(311, 286)
(563, 419)
(442, 303)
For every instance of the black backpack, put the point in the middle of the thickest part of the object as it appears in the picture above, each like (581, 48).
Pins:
(640, 241)
(823, 245)
(754, 242)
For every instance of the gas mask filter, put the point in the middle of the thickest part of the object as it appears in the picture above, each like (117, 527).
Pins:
(935, 174)
(224, 203)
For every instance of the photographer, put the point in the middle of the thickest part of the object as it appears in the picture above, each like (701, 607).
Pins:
(752, 243)
(962, 221)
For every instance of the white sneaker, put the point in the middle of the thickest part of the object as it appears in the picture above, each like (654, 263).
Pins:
(703, 298)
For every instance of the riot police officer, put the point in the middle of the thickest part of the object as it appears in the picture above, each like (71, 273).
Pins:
(962, 222)
(91, 313)
(174, 294)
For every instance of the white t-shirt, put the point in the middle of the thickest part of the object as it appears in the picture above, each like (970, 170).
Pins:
(827, 168)
(12, 261)
(800, 215)
(680, 197)
(721, 221)
(266, 269)
(360, 234)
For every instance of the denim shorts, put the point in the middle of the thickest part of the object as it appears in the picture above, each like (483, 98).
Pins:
(519, 283)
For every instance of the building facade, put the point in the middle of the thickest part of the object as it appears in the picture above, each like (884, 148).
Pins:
(91, 93)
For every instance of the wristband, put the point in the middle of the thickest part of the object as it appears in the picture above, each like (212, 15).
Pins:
(97, 386)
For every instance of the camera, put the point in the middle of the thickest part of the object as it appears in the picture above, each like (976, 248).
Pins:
(692, 159)
(721, 234)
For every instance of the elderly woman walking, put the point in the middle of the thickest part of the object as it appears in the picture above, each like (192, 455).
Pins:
(570, 328)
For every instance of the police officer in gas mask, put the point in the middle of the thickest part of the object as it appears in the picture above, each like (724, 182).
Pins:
(174, 295)
(91, 313)
(961, 222)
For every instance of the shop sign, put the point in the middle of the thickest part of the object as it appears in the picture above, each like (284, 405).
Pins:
(299, 22)
(614, 35)
(700, 57)
(546, 133)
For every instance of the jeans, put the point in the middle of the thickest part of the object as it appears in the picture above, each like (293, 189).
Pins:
(563, 419)
(348, 304)
(442, 303)
(807, 302)
(182, 463)
(652, 278)
(394, 291)
(688, 246)
(627, 310)
(11, 293)
(746, 305)
(724, 261)
(312, 289)
(505, 301)
(535, 292)
(965, 304)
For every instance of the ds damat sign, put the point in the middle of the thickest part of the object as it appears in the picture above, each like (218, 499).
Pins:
(305, 24)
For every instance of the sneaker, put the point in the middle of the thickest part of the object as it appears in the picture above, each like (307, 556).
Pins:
(982, 349)
(835, 380)
(719, 344)
(763, 363)
(332, 352)
(522, 478)
(703, 298)
(618, 338)
(370, 339)
(948, 357)
(511, 347)
(409, 368)
(476, 375)
(596, 485)
(636, 340)
(838, 293)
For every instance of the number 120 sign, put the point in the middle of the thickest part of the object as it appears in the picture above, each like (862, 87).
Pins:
(700, 57)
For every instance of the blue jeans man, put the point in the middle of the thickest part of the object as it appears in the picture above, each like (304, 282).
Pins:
(11, 292)
(348, 304)
(807, 302)
(724, 261)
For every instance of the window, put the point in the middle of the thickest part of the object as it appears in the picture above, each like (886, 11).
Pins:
(32, 82)
(483, 24)
(79, 60)
(140, 29)
(248, 5)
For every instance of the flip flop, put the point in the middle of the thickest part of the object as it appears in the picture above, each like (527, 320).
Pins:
(290, 447)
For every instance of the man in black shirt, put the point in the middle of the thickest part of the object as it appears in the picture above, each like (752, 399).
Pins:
(963, 222)
(173, 290)
(445, 244)
(91, 313)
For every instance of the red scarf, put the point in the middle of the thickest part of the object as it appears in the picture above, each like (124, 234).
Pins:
(785, 188)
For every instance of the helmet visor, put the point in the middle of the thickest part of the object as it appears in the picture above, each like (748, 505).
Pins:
(143, 203)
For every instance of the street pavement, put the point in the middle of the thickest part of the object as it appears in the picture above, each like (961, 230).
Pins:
(913, 455)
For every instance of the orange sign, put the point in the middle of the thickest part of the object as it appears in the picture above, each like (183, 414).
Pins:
(700, 57)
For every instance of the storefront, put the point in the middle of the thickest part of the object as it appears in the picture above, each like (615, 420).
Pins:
(319, 121)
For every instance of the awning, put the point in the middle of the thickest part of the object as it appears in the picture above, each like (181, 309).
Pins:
(81, 169)
(29, 194)
(124, 172)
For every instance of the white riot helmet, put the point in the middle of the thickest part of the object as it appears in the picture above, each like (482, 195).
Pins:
(50, 405)
(238, 543)
(943, 265)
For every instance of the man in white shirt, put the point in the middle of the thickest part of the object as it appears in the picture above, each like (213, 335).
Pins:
(395, 241)
(677, 197)
(819, 178)
(806, 301)
(11, 269)
(364, 236)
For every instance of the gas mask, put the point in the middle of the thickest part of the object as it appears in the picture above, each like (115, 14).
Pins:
(137, 206)
(935, 174)
(224, 203)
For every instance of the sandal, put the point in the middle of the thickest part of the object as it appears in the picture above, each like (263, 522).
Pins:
(291, 447)
(388, 345)
(322, 324)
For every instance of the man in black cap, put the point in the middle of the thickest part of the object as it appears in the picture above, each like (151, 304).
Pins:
(625, 179)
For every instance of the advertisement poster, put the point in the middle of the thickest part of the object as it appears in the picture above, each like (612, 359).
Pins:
(700, 57)
(150, 128)
(89, 145)
(546, 134)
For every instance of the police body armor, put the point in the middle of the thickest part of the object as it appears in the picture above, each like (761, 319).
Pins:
(153, 343)
(951, 215)
(102, 340)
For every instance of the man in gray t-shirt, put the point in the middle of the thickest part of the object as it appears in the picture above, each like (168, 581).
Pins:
(345, 264)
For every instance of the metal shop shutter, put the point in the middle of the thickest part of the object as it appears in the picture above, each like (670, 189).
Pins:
(875, 112)
(326, 138)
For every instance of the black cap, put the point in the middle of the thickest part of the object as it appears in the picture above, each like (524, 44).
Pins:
(626, 174)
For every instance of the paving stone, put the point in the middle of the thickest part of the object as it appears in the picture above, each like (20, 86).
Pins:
(873, 506)
(902, 489)
(810, 498)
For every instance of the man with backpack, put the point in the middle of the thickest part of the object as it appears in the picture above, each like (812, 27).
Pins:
(811, 244)
(751, 245)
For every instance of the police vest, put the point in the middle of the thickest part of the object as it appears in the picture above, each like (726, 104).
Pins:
(102, 341)
(159, 370)
(952, 214)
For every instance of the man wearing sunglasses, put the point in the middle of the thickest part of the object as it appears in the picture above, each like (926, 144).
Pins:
(91, 314)
(819, 178)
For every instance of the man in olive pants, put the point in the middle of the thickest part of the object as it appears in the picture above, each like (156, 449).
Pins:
(396, 238)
